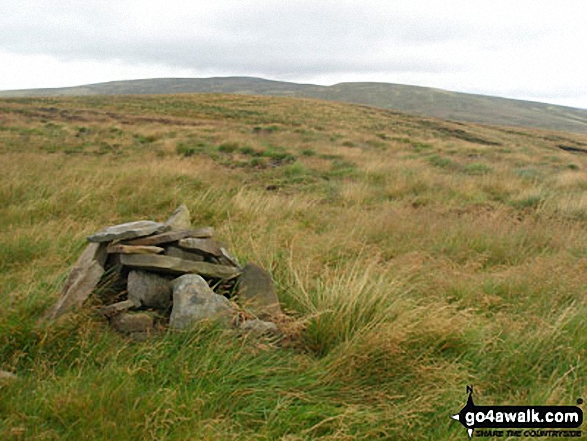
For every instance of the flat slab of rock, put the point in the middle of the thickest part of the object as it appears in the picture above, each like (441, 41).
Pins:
(174, 265)
(194, 301)
(81, 281)
(133, 249)
(128, 323)
(129, 230)
(158, 239)
(256, 293)
(150, 290)
(183, 254)
(180, 219)
(204, 246)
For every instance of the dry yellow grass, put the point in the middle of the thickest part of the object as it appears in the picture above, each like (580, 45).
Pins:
(416, 261)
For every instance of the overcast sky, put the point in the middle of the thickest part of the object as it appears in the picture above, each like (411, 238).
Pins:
(526, 49)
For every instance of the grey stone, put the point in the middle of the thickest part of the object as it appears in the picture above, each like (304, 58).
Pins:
(158, 239)
(194, 301)
(133, 249)
(129, 230)
(204, 246)
(228, 259)
(183, 254)
(203, 232)
(129, 323)
(259, 327)
(256, 293)
(7, 376)
(174, 265)
(81, 281)
(180, 219)
(116, 308)
(150, 290)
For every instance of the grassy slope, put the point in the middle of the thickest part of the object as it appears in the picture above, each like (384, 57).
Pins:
(420, 100)
(458, 106)
(417, 255)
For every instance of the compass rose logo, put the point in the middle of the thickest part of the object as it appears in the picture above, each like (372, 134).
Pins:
(468, 409)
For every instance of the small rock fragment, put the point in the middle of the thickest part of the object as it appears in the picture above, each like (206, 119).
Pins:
(128, 323)
(180, 219)
(256, 293)
(228, 259)
(259, 327)
(203, 246)
(7, 376)
(129, 230)
(149, 290)
(116, 308)
(194, 301)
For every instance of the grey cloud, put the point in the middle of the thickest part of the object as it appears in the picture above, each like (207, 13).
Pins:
(273, 38)
(452, 42)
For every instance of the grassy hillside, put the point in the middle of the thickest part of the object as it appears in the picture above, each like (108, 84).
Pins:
(417, 100)
(414, 256)
(458, 106)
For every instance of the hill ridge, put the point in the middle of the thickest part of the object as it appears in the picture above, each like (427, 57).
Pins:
(421, 100)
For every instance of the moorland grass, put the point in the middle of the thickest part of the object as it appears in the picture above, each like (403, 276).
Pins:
(410, 267)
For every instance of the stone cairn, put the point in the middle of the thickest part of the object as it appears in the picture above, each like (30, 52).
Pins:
(146, 273)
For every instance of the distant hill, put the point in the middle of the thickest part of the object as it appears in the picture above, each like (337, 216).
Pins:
(412, 99)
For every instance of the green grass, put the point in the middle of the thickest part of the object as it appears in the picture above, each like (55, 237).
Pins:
(441, 162)
(409, 269)
(476, 168)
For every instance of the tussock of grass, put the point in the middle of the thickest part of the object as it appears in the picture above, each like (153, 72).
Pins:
(343, 302)
(412, 258)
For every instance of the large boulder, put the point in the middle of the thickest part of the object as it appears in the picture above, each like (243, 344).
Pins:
(194, 301)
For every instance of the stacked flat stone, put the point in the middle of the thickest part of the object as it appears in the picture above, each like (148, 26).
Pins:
(167, 268)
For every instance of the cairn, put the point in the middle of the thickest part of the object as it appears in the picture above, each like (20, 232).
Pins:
(146, 274)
